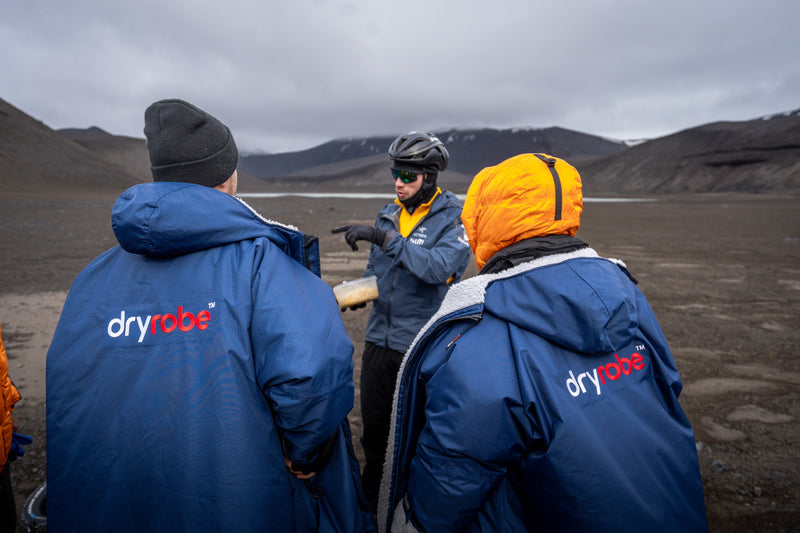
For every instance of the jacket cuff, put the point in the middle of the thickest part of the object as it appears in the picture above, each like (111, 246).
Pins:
(322, 456)
(389, 236)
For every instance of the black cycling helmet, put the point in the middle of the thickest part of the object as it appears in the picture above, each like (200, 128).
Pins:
(419, 150)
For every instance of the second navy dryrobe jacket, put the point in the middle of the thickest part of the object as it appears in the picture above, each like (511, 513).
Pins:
(542, 398)
(187, 363)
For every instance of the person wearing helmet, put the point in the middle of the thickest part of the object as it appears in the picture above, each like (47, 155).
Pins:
(418, 248)
(542, 395)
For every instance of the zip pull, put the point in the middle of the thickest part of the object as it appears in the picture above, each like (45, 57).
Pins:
(476, 320)
(551, 164)
(454, 340)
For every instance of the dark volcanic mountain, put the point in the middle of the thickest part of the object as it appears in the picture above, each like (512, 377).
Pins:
(128, 152)
(331, 152)
(754, 155)
(35, 158)
(473, 150)
(750, 156)
(470, 151)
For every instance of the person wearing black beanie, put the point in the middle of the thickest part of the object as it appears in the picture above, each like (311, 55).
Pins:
(211, 378)
(186, 144)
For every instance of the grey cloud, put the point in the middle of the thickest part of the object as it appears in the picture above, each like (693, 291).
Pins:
(288, 75)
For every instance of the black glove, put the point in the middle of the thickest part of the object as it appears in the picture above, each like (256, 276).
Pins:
(360, 232)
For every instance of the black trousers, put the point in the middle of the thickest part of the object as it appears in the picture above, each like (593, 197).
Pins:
(379, 369)
(8, 508)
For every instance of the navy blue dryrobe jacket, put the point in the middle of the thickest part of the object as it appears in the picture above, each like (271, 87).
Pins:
(542, 398)
(188, 361)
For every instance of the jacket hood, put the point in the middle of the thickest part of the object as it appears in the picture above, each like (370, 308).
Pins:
(167, 219)
(529, 195)
(576, 300)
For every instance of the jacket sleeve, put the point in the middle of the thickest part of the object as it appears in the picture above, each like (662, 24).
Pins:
(474, 426)
(448, 257)
(370, 270)
(302, 353)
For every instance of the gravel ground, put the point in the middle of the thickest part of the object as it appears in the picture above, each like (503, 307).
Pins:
(722, 273)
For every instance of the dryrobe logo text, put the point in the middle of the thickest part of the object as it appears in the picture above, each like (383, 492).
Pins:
(140, 326)
(619, 367)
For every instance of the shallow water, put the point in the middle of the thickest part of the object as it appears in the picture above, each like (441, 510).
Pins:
(366, 195)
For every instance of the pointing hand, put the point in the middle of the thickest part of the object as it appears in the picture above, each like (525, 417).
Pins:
(360, 232)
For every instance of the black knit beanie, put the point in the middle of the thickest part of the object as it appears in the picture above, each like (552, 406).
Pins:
(187, 144)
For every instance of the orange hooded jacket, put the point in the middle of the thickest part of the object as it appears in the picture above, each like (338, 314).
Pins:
(528, 195)
(8, 397)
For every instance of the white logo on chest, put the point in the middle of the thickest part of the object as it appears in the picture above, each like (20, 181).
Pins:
(418, 236)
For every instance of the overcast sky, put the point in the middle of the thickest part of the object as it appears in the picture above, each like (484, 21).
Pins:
(292, 74)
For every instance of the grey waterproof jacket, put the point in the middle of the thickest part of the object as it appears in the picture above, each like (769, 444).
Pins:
(414, 272)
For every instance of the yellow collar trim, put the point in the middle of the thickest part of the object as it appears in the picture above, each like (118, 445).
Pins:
(408, 221)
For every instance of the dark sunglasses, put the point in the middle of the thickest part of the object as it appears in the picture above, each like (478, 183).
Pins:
(406, 176)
